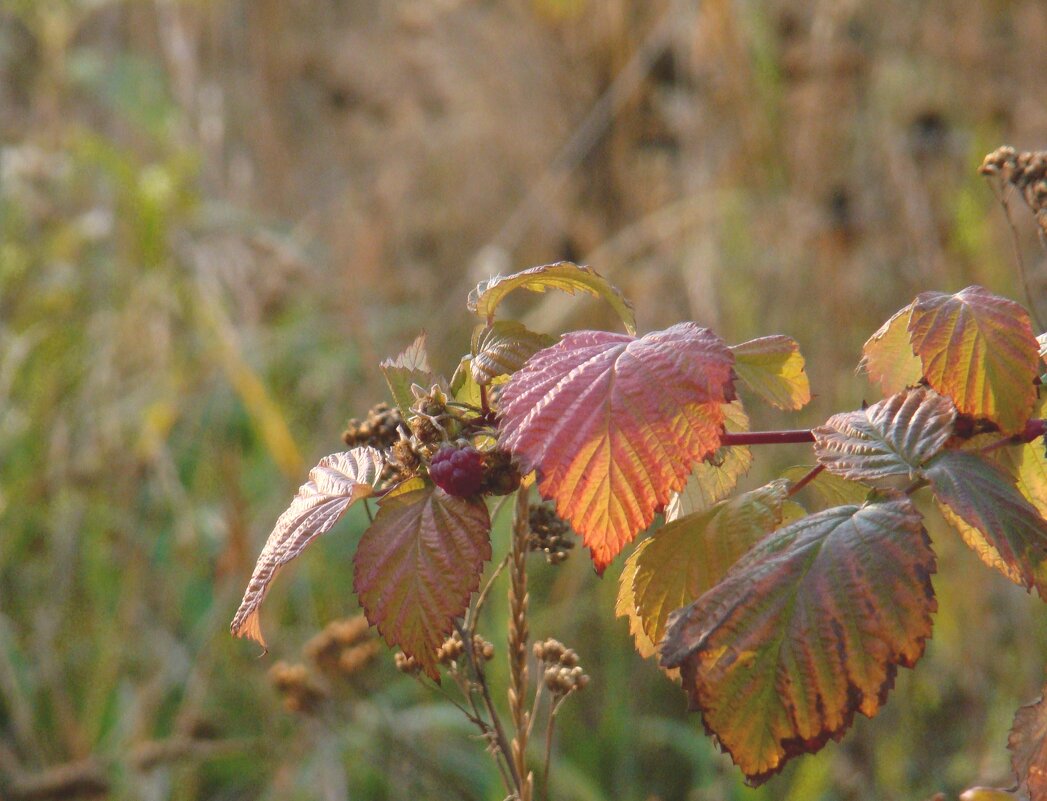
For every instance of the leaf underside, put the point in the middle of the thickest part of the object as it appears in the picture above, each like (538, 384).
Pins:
(687, 557)
(564, 276)
(333, 486)
(774, 369)
(410, 367)
(979, 350)
(806, 629)
(614, 424)
(888, 357)
(1027, 743)
(981, 501)
(418, 564)
(890, 438)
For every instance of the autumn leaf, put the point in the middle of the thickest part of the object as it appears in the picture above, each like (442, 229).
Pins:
(1028, 465)
(888, 357)
(981, 501)
(826, 489)
(334, 485)
(890, 438)
(625, 606)
(563, 275)
(410, 367)
(690, 555)
(1027, 743)
(774, 369)
(806, 629)
(714, 479)
(979, 350)
(417, 565)
(614, 424)
(502, 348)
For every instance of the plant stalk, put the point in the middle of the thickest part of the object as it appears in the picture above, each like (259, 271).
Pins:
(518, 635)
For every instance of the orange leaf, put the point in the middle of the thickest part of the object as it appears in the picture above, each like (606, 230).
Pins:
(979, 350)
(614, 424)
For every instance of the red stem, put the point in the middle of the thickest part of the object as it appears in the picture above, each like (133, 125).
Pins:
(768, 437)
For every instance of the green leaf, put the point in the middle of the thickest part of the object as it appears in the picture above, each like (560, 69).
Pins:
(888, 357)
(410, 367)
(562, 275)
(1027, 464)
(826, 489)
(417, 565)
(502, 348)
(713, 480)
(685, 558)
(335, 484)
(806, 629)
(464, 388)
(773, 368)
(1027, 743)
(981, 501)
(890, 438)
(979, 350)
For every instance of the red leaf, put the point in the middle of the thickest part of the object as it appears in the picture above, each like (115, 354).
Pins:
(417, 565)
(333, 485)
(614, 424)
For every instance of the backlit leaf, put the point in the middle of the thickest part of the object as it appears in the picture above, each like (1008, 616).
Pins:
(806, 629)
(713, 480)
(614, 424)
(502, 349)
(562, 275)
(410, 367)
(1027, 464)
(888, 357)
(980, 499)
(978, 349)
(333, 486)
(417, 565)
(773, 368)
(826, 489)
(1028, 746)
(463, 387)
(889, 438)
(685, 558)
(625, 606)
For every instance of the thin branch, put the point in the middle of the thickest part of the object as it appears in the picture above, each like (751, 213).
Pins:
(812, 474)
(786, 437)
(367, 508)
(1005, 202)
(472, 616)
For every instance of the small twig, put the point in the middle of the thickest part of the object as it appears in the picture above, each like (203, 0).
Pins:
(518, 635)
(484, 406)
(786, 437)
(1005, 202)
(472, 616)
(367, 508)
(534, 708)
(812, 474)
(549, 743)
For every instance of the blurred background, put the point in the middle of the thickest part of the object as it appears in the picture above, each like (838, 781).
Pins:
(217, 216)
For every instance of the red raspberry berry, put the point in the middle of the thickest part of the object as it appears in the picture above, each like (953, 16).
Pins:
(457, 471)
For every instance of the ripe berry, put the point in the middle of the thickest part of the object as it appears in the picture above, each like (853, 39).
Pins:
(457, 471)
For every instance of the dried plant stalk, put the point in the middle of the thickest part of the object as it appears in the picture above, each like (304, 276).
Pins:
(518, 635)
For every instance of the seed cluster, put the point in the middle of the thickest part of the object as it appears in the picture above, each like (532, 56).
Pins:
(1026, 172)
(301, 692)
(563, 674)
(549, 534)
(379, 429)
(453, 648)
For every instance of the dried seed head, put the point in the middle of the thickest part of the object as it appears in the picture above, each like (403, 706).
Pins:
(549, 534)
(300, 691)
(407, 664)
(378, 429)
(326, 649)
(500, 473)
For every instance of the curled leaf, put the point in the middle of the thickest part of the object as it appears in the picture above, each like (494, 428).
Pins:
(564, 276)
(417, 565)
(808, 628)
(334, 485)
(502, 348)
(979, 350)
(614, 424)
(889, 438)
(774, 369)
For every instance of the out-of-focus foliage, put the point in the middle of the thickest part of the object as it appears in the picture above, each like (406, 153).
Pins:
(215, 216)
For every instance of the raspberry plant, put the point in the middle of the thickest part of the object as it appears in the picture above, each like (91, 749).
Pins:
(781, 620)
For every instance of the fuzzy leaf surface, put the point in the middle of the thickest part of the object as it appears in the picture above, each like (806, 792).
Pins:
(978, 349)
(892, 437)
(774, 369)
(826, 489)
(981, 501)
(417, 565)
(1027, 743)
(689, 556)
(715, 479)
(614, 424)
(338, 481)
(888, 357)
(806, 629)
(564, 276)
(410, 367)
(502, 348)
